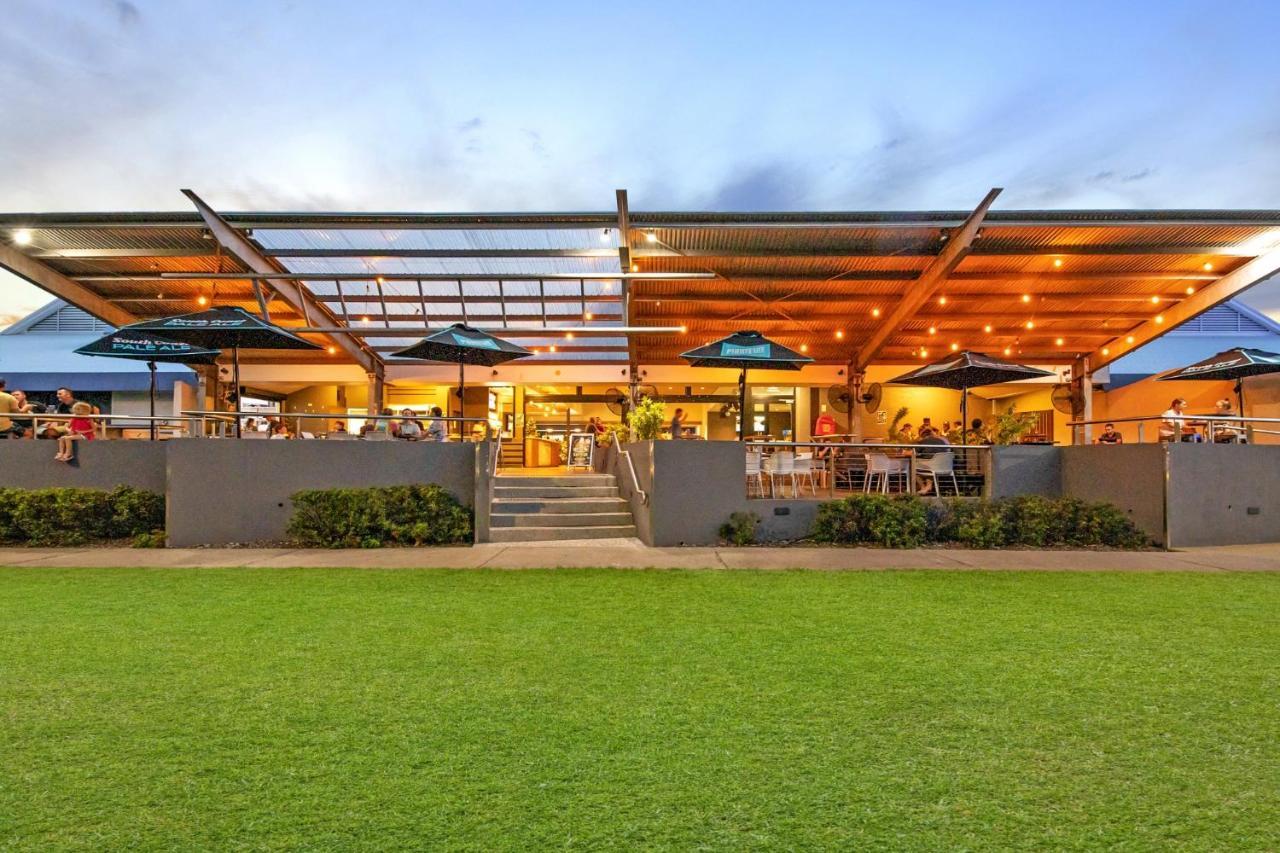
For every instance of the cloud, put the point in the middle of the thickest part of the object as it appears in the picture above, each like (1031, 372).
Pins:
(126, 13)
(767, 186)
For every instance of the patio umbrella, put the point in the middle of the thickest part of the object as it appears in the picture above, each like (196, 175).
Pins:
(964, 370)
(151, 349)
(464, 345)
(225, 327)
(1234, 364)
(746, 350)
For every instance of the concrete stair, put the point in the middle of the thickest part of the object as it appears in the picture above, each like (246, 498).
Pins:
(540, 509)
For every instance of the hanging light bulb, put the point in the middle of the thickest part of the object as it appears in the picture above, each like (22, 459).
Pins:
(1129, 339)
(1106, 351)
(1031, 324)
(942, 300)
(933, 330)
(1155, 300)
(202, 300)
(987, 328)
(839, 335)
(1026, 297)
(1057, 262)
(1190, 291)
(651, 236)
(1059, 342)
(1208, 267)
(1159, 319)
(1008, 350)
(875, 312)
(954, 346)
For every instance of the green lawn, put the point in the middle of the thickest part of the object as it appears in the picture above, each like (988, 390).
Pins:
(332, 709)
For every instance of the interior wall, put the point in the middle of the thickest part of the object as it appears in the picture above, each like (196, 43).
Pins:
(1150, 397)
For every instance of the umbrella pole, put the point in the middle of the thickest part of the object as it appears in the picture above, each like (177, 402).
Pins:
(235, 376)
(742, 406)
(964, 417)
(462, 396)
(151, 366)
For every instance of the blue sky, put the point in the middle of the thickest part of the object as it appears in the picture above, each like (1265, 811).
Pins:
(115, 104)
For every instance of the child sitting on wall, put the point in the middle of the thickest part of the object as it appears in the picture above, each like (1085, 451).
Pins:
(80, 427)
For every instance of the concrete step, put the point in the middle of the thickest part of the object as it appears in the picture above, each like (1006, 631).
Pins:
(560, 519)
(546, 534)
(539, 492)
(584, 480)
(558, 505)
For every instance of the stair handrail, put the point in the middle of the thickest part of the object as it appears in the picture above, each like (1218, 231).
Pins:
(635, 480)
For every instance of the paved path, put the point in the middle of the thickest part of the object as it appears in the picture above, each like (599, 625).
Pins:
(630, 554)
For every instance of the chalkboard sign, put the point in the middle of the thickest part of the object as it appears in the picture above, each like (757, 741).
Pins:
(581, 446)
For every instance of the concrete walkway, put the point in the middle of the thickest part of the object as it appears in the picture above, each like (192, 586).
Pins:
(630, 554)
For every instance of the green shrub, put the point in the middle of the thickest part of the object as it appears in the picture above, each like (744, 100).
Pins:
(373, 517)
(905, 521)
(740, 529)
(71, 516)
(646, 419)
(900, 521)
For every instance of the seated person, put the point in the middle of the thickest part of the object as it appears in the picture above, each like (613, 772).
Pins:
(1173, 424)
(79, 428)
(340, 427)
(24, 427)
(437, 428)
(8, 406)
(409, 428)
(1110, 436)
(906, 434)
(934, 438)
(278, 429)
(1230, 431)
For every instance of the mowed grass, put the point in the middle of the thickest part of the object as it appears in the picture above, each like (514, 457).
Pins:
(336, 709)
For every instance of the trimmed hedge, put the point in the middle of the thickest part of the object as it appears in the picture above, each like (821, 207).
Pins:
(70, 516)
(906, 521)
(373, 517)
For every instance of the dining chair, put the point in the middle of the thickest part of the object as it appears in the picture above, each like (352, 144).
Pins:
(943, 464)
(755, 472)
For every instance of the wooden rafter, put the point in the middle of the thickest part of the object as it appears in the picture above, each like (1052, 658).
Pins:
(923, 288)
(47, 278)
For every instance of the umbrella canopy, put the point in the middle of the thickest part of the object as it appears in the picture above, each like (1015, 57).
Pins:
(746, 350)
(144, 347)
(965, 370)
(1234, 364)
(968, 370)
(223, 328)
(461, 344)
(151, 349)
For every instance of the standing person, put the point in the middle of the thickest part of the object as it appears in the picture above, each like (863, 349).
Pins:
(79, 428)
(8, 406)
(677, 423)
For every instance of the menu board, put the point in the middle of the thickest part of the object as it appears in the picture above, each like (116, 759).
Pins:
(581, 446)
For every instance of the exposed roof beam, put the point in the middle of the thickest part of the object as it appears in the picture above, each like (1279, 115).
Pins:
(410, 276)
(957, 246)
(128, 252)
(290, 291)
(624, 264)
(374, 252)
(925, 248)
(47, 278)
(1230, 285)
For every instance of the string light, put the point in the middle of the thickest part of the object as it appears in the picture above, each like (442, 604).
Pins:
(635, 268)
(1129, 339)
(1190, 291)
(331, 349)
(1155, 300)
(551, 348)
(924, 353)
(933, 330)
(1026, 297)
(568, 336)
(1059, 342)
(1159, 319)
(875, 312)
(839, 335)
(1057, 262)
(954, 346)
(942, 300)
(381, 280)
(1106, 351)
(22, 237)
(364, 319)
(804, 348)
(651, 236)
(589, 316)
(987, 328)
(1031, 324)
(203, 300)
(1008, 350)
(1208, 267)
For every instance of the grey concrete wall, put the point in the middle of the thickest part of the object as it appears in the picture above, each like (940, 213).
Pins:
(29, 464)
(482, 483)
(1223, 494)
(238, 491)
(697, 485)
(1131, 476)
(1018, 469)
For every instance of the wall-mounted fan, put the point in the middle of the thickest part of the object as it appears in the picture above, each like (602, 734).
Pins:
(1066, 398)
(838, 398)
(871, 397)
(616, 400)
(648, 392)
(729, 410)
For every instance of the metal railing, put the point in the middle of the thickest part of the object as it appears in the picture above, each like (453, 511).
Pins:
(222, 424)
(625, 455)
(844, 467)
(41, 422)
(1207, 428)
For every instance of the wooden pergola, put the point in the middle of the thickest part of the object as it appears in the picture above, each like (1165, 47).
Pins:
(1079, 287)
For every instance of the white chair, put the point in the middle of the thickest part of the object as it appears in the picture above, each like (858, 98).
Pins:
(881, 468)
(755, 472)
(939, 464)
(377, 435)
(780, 466)
(803, 467)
